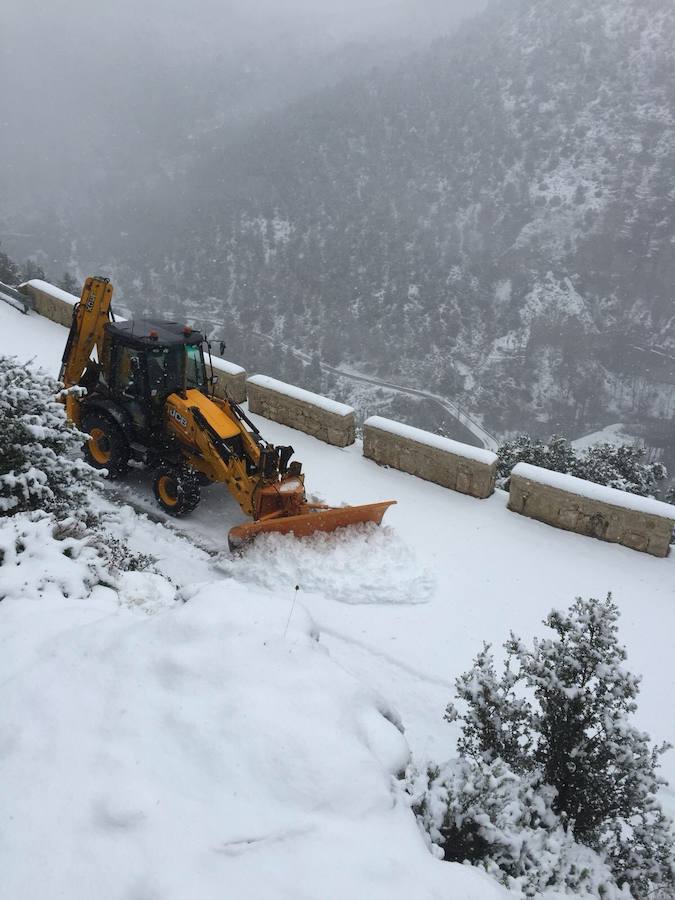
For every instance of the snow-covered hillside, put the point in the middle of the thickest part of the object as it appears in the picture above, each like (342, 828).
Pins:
(246, 743)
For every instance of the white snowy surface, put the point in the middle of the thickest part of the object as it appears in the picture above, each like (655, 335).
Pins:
(32, 338)
(290, 390)
(11, 300)
(592, 491)
(616, 435)
(157, 748)
(52, 290)
(430, 439)
(230, 368)
(136, 754)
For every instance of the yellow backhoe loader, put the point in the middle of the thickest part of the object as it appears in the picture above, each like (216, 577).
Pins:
(149, 398)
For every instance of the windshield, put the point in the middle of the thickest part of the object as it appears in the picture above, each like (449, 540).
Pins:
(195, 376)
(171, 369)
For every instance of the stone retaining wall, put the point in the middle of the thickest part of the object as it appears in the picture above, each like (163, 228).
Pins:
(460, 467)
(50, 301)
(332, 422)
(231, 384)
(586, 508)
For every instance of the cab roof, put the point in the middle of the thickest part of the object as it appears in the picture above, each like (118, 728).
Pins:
(145, 333)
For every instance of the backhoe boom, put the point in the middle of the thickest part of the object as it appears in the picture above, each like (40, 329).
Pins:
(87, 329)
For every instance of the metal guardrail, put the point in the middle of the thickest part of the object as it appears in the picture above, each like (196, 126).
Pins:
(15, 298)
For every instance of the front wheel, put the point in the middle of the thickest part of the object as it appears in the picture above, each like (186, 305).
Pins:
(176, 489)
(107, 447)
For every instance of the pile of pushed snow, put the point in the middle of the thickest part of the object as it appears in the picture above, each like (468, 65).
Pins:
(359, 565)
(211, 749)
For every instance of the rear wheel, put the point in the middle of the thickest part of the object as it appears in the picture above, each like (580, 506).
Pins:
(107, 447)
(177, 489)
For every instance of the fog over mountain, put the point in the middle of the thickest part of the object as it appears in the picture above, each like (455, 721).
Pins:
(487, 213)
(98, 96)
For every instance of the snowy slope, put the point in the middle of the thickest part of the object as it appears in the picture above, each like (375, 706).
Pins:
(272, 766)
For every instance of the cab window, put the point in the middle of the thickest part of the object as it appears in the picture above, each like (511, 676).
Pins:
(128, 371)
(195, 375)
(173, 368)
(165, 371)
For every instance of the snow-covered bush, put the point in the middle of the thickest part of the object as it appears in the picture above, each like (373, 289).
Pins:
(120, 558)
(484, 813)
(559, 716)
(557, 455)
(39, 557)
(621, 467)
(40, 452)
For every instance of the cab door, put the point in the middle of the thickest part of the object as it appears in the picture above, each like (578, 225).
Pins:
(130, 384)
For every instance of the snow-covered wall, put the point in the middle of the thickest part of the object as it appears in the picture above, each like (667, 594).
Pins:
(328, 420)
(50, 301)
(592, 509)
(231, 384)
(469, 470)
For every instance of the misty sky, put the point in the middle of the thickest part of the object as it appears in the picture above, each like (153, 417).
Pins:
(104, 84)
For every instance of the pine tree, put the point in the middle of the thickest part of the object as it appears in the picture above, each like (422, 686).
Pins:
(69, 284)
(621, 467)
(488, 815)
(571, 725)
(40, 452)
(32, 270)
(9, 271)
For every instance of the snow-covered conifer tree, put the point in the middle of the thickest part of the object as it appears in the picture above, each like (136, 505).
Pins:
(559, 718)
(40, 452)
(621, 467)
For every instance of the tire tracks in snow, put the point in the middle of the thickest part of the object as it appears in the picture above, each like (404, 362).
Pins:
(383, 655)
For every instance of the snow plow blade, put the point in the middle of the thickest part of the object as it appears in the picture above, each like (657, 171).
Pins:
(319, 518)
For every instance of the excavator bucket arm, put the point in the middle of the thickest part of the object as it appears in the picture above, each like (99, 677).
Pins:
(86, 332)
(87, 328)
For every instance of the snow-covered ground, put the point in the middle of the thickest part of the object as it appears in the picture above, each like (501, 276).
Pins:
(612, 434)
(210, 750)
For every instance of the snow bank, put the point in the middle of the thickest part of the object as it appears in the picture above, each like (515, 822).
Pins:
(356, 566)
(478, 454)
(210, 748)
(592, 491)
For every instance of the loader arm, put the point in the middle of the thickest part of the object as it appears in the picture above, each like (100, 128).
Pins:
(90, 316)
(218, 444)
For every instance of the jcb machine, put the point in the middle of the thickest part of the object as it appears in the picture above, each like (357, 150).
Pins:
(149, 398)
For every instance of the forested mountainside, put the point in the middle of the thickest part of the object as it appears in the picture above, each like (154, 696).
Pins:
(493, 216)
(491, 219)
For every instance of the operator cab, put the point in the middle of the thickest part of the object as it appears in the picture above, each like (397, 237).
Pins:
(149, 359)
